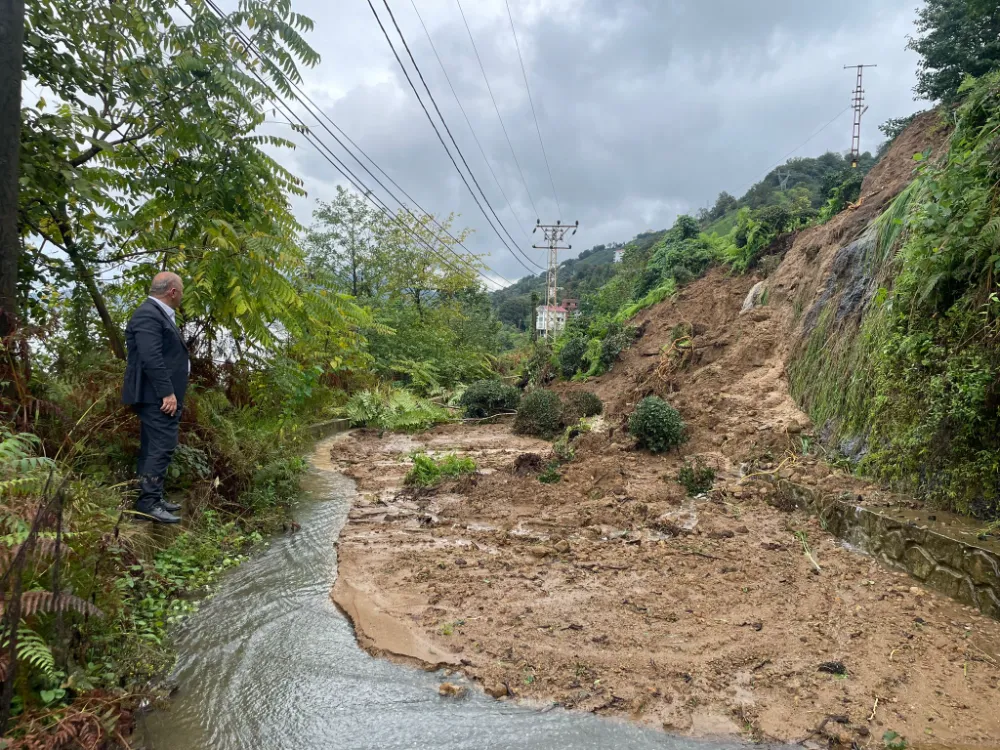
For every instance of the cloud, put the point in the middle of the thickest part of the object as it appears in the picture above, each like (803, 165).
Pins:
(647, 108)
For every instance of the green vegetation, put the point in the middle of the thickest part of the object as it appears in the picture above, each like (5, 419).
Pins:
(141, 151)
(581, 404)
(485, 398)
(427, 472)
(915, 379)
(657, 425)
(540, 414)
(696, 477)
(956, 38)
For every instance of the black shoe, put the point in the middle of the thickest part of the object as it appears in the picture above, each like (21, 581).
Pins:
(157, 515)
(170, 507)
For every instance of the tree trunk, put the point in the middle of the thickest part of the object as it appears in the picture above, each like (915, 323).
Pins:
(11, 63)
(86, 276)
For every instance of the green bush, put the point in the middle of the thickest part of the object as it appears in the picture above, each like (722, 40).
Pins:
(540, 414)
(571, 356)
(618, 339)
(581, 404)
(656, 424)
(696, 478)
(485, 398)
(427, 472)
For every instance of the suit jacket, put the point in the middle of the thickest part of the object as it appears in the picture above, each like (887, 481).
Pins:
(157, 357)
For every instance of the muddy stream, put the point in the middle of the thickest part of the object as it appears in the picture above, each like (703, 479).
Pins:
(270, 662)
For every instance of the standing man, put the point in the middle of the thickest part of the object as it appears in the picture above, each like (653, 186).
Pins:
(156, 378)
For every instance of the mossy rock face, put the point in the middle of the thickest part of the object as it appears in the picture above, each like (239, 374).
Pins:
(540, 414)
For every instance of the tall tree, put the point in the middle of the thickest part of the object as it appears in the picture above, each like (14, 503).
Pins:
(957, 38)
(148, 155)
(11, 61)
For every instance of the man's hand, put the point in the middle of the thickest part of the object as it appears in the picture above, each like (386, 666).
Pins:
(169, 405)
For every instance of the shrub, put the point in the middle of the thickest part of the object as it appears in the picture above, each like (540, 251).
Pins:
(696, 478)
(656, 424)
(619, 339)
(485, 398)
(427, 472)
(581, 404)
(571, 356)
(540, 413)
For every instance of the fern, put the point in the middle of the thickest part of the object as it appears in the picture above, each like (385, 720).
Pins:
(33, 650)
(34, 602)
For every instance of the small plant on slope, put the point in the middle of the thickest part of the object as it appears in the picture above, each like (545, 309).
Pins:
(657, 425)
(427, 472)
(696, 477)
(580, 404)
(540, 414)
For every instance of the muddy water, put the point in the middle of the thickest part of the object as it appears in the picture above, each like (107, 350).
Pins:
(269, 662)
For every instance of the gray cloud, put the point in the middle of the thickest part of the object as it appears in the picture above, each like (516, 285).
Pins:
(648, 108)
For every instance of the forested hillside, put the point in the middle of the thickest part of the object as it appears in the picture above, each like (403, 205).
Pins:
(806, 187)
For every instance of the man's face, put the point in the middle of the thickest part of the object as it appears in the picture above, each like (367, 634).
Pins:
(175, 295)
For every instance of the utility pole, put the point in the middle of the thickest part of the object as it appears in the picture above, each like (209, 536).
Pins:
(858, 103)
(554, 234)
(11, 63)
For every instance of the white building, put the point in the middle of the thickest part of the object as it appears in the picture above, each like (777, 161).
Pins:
(619, 254)
(546, 313)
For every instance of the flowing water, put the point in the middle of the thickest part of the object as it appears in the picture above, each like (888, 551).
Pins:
(269, 662)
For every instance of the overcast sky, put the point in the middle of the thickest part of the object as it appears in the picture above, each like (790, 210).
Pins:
(647, 108)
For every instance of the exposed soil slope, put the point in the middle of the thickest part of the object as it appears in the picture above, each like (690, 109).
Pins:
(611, 591)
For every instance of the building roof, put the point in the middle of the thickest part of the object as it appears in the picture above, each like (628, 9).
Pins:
(550, 308)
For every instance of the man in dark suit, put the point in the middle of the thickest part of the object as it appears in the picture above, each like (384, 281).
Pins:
(156, 379)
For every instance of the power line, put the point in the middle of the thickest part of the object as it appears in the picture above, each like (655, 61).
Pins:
(538, 130)
(334, 160)
(448, 130)
(320, 115)
(497, 108)
(468, 122)
(430, 119)
(801, 145)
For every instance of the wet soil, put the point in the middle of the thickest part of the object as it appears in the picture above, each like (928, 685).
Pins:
(613, 592)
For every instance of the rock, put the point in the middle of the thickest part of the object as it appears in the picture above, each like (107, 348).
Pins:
(742, 530)
(450, 690)
(460, 562)
(768, 544)
(563, 547)
(722, 534)
(496, 691)
(539, 550)
(793, 428)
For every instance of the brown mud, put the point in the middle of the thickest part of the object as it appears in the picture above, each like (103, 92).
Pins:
(614, 592)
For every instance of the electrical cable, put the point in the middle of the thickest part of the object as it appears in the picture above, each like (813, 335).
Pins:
(468, 122)
(430, 119)
(496, 107)
(531, 101)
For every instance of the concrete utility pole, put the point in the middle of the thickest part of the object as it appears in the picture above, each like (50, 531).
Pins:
(554, 234)
(858, 102)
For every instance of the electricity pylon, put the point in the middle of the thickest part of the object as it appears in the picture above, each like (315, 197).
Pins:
(858, 103)
(554, 234)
